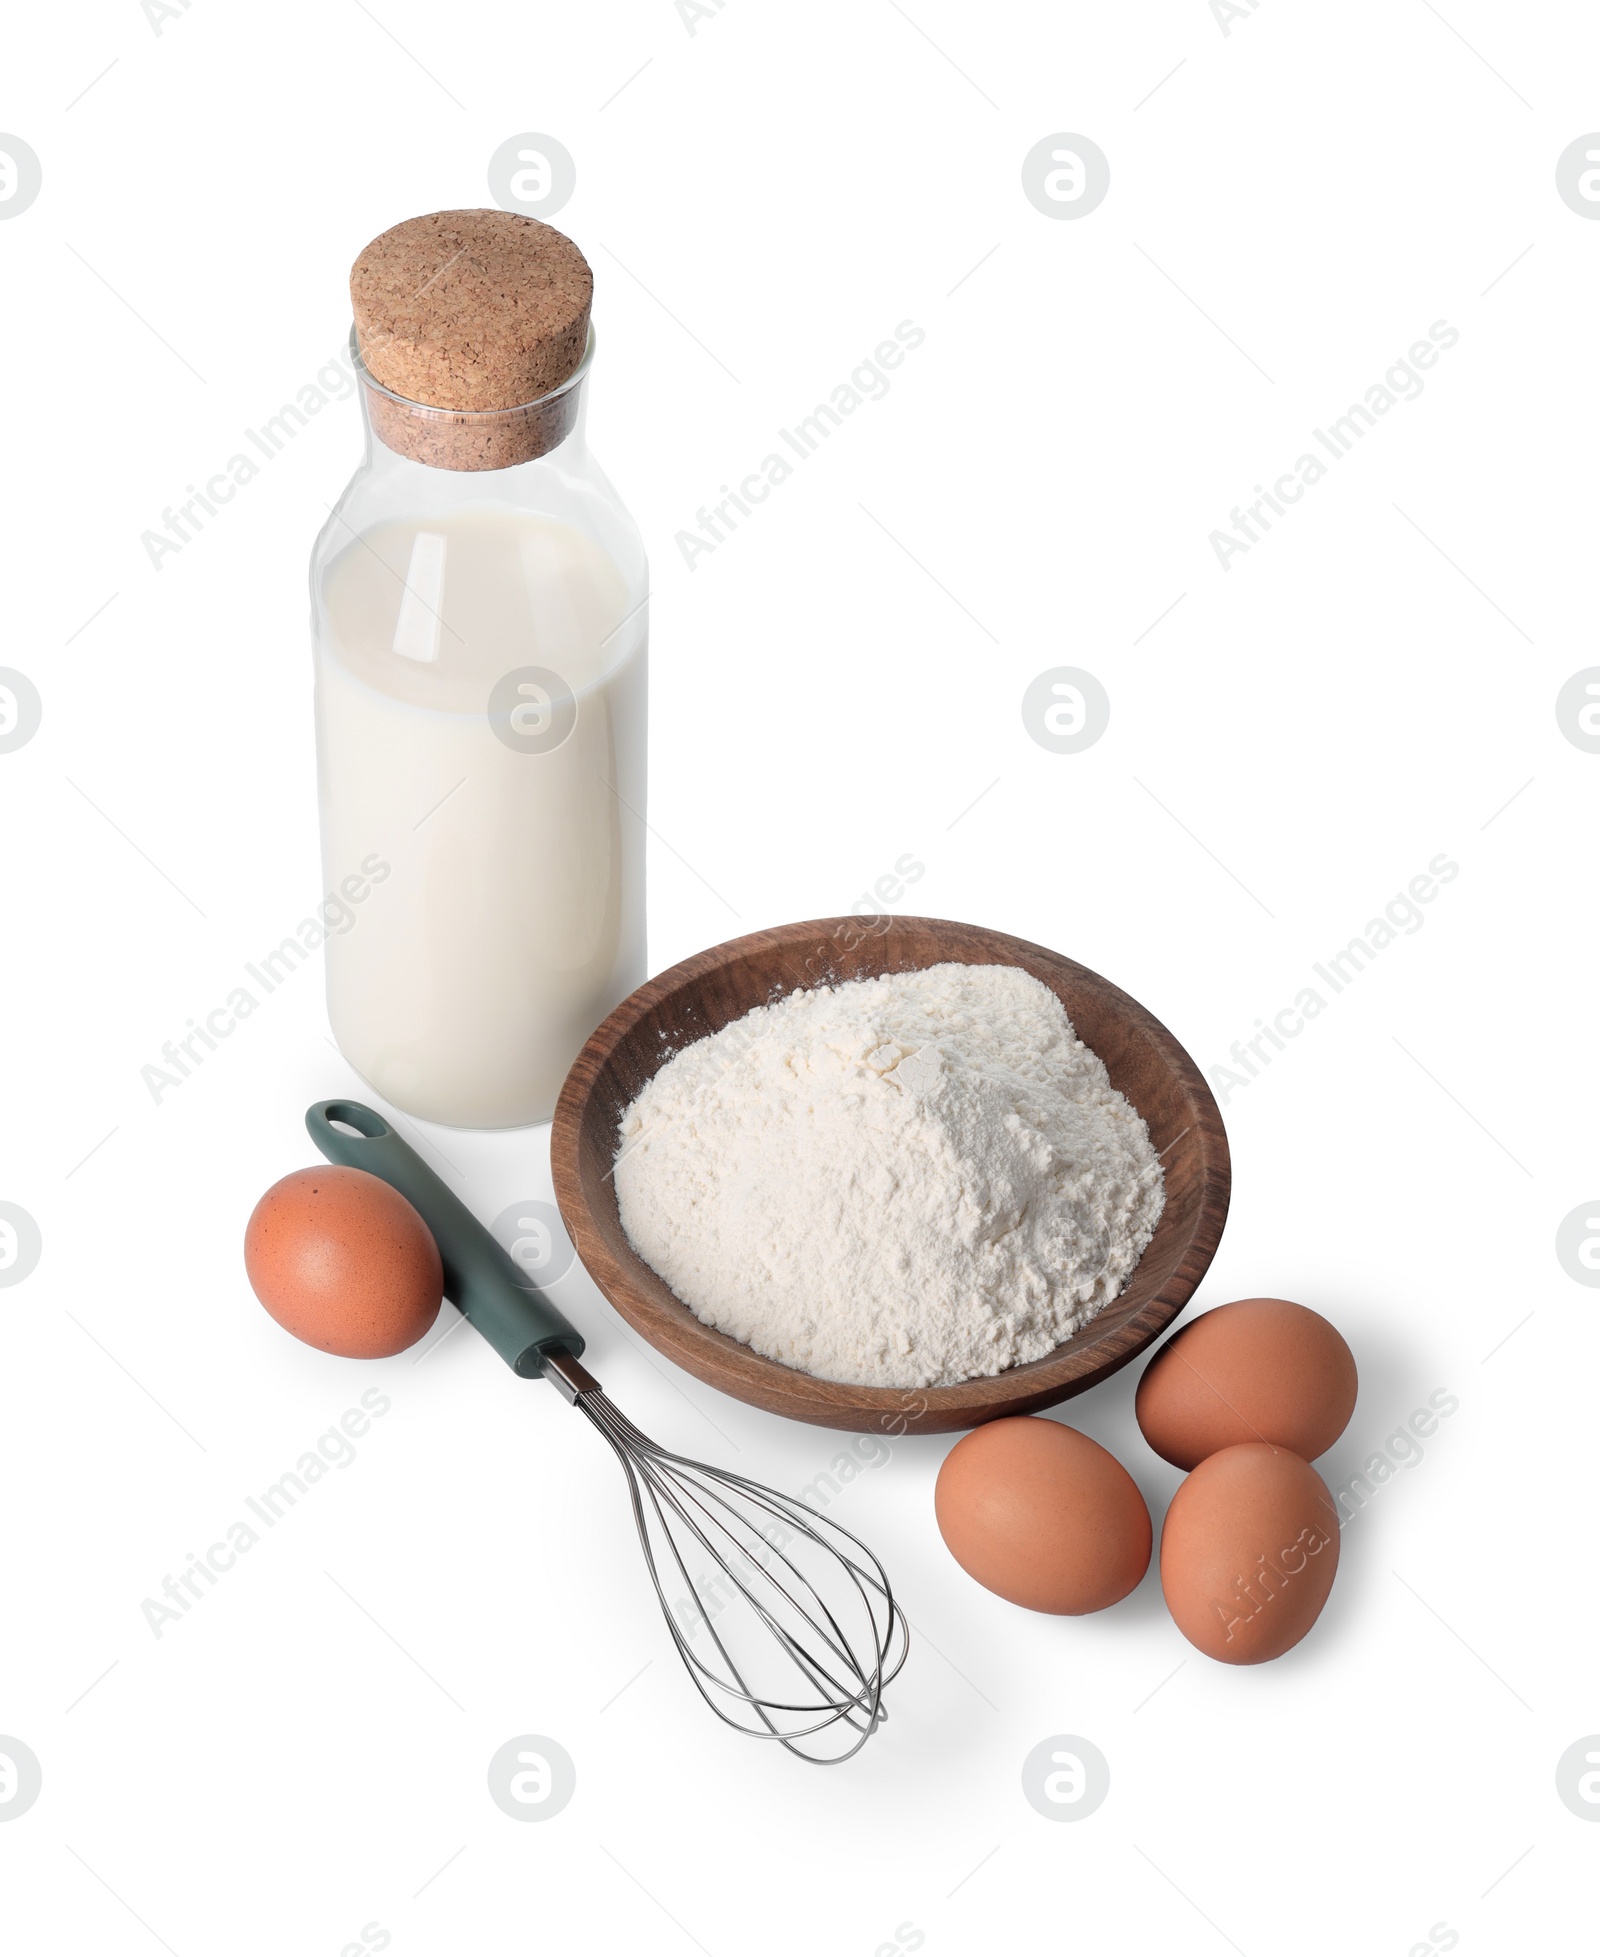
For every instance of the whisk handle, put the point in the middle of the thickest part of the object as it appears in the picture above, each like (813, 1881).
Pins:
(479, 1277)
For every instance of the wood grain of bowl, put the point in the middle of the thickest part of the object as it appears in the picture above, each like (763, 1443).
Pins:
(707, 992)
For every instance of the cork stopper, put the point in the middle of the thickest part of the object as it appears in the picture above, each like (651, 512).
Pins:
(470, 322)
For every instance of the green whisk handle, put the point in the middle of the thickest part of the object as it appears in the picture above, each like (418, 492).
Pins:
(480, 1279)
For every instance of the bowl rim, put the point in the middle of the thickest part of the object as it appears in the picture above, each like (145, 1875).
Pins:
(645, 1302)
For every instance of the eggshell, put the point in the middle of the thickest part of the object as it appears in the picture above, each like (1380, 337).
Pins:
(1248, 1552)
(1259, 1370)
(343, 1261)
(1043, 1516)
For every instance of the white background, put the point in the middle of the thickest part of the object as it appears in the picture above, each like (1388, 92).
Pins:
(1371, 685)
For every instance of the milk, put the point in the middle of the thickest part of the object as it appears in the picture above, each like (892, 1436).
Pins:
(511, 918)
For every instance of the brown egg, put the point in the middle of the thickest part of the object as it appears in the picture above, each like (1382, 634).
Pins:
(1248, 1552)
(1043, 1516)
(1259, 1370)
(344, 1262)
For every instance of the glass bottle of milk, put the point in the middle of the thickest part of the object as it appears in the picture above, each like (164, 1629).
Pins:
(479, 618)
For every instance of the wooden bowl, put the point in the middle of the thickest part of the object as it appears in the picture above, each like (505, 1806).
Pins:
(707, 992)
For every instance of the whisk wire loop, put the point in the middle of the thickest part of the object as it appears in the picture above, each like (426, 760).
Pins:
(834, 1635)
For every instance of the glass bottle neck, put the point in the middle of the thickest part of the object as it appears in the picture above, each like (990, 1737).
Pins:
(464, 441)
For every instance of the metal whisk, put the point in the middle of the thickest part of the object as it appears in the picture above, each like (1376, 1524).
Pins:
(786, 1621)
(833, 1634)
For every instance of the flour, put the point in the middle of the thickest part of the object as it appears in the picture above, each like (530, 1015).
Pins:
(903, 1181)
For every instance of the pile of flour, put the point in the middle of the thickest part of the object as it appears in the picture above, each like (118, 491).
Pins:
(903, 1181)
